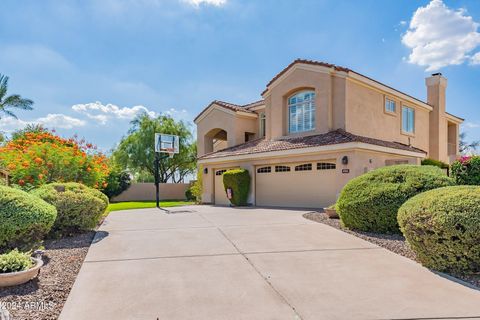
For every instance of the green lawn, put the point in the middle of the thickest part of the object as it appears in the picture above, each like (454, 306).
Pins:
(146, 204)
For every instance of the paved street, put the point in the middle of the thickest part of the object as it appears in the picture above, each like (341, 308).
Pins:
(204, 262)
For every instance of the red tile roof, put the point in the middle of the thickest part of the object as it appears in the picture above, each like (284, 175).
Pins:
(338, 136)
(232, 106)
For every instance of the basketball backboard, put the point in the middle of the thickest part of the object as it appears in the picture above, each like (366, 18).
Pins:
(167, 143)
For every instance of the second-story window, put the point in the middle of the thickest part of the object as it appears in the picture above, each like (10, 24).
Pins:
(263, 123)
(408, 120)
(390, 105)
(301, 112)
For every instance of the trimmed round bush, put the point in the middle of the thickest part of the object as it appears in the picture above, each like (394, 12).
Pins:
(79, 207)
(371, 201)
(239, 181)
(442, 226)
(24, 219)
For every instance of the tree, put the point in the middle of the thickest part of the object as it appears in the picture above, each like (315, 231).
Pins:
(136, 151)
(38, 157)
(13, 101)
(467, 147)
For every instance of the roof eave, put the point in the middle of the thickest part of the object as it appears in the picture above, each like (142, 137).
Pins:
(310, 150)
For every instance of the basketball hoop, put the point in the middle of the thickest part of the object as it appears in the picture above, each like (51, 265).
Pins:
(169, 145)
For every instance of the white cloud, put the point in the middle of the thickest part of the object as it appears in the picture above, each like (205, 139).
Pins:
(60, 121)
(475, 59)
(471, 125)
(103, 113)
(197, 3)
(439, 36)
(51, 121)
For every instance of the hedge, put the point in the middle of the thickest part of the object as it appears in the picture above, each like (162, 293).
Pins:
(239, 181)
(436, 163)
(370, 202)
(79, 207)
(24, 219)
(442, 226)
(466, 171)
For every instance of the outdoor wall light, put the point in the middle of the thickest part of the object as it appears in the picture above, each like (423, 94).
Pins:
(345, 160)
(205, 170)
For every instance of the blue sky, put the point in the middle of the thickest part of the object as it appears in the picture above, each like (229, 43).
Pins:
(91, 65)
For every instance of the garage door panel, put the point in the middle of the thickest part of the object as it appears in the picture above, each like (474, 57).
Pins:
(309, 189)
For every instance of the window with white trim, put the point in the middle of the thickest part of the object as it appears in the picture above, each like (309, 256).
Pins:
(408, 120)
(282, 168)
(304, 167)
(326, 166)
(220, 172)
(390, 105)
(301, 112)
(263, 123)
(264, 170)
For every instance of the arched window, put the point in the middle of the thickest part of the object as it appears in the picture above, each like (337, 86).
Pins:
(301, 112)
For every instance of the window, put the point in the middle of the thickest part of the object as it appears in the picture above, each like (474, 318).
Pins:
(408, 120)
(220, 172)
(264, 170)
(304, 167)
(301, 112)
(390, 105)
(282, 168)
(263, 123)
(326, 166)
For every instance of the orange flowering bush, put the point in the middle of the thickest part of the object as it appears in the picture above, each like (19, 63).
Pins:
(36, 158)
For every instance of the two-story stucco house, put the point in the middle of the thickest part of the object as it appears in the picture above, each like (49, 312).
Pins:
(318, 126)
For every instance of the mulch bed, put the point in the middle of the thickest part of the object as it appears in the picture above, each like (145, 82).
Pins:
(393, 242)
(43, 298)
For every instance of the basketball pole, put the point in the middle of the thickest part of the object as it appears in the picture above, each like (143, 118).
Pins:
(157, 160)
(157, 179)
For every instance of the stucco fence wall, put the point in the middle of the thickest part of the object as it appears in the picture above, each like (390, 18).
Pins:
(146, 192)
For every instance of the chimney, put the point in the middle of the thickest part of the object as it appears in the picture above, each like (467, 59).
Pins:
(436, 92)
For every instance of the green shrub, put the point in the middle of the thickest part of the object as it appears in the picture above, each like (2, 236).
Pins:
(117, 182)
(442, 226)
(436, 163)
(239, 181)
(197, 186)
(79, 207)
(15, 261)
(24, 219)
(189, 194)
(370, 202)
(466, 171)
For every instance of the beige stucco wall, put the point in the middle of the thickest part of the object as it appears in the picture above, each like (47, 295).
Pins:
(298, 80)
(146, 192)
(220, 118)
(360, 161)
(366, 116)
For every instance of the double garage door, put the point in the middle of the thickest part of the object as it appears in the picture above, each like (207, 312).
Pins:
(302, 185)
(305, 185)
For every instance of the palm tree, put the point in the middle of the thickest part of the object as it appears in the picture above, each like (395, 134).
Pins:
(13, 101)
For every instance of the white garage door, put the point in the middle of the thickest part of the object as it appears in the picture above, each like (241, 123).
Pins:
(220, 194)
(303, 185)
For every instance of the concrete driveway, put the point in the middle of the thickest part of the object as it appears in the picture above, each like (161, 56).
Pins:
(204, 262)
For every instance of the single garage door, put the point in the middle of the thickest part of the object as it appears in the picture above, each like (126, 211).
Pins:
(303, 185)
(220, 195)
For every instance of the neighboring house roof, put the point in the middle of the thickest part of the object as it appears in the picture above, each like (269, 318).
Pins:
(333, 137)
(232, 106)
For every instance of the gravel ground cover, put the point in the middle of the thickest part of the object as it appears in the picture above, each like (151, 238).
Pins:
(43, 298)
(392, 242)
